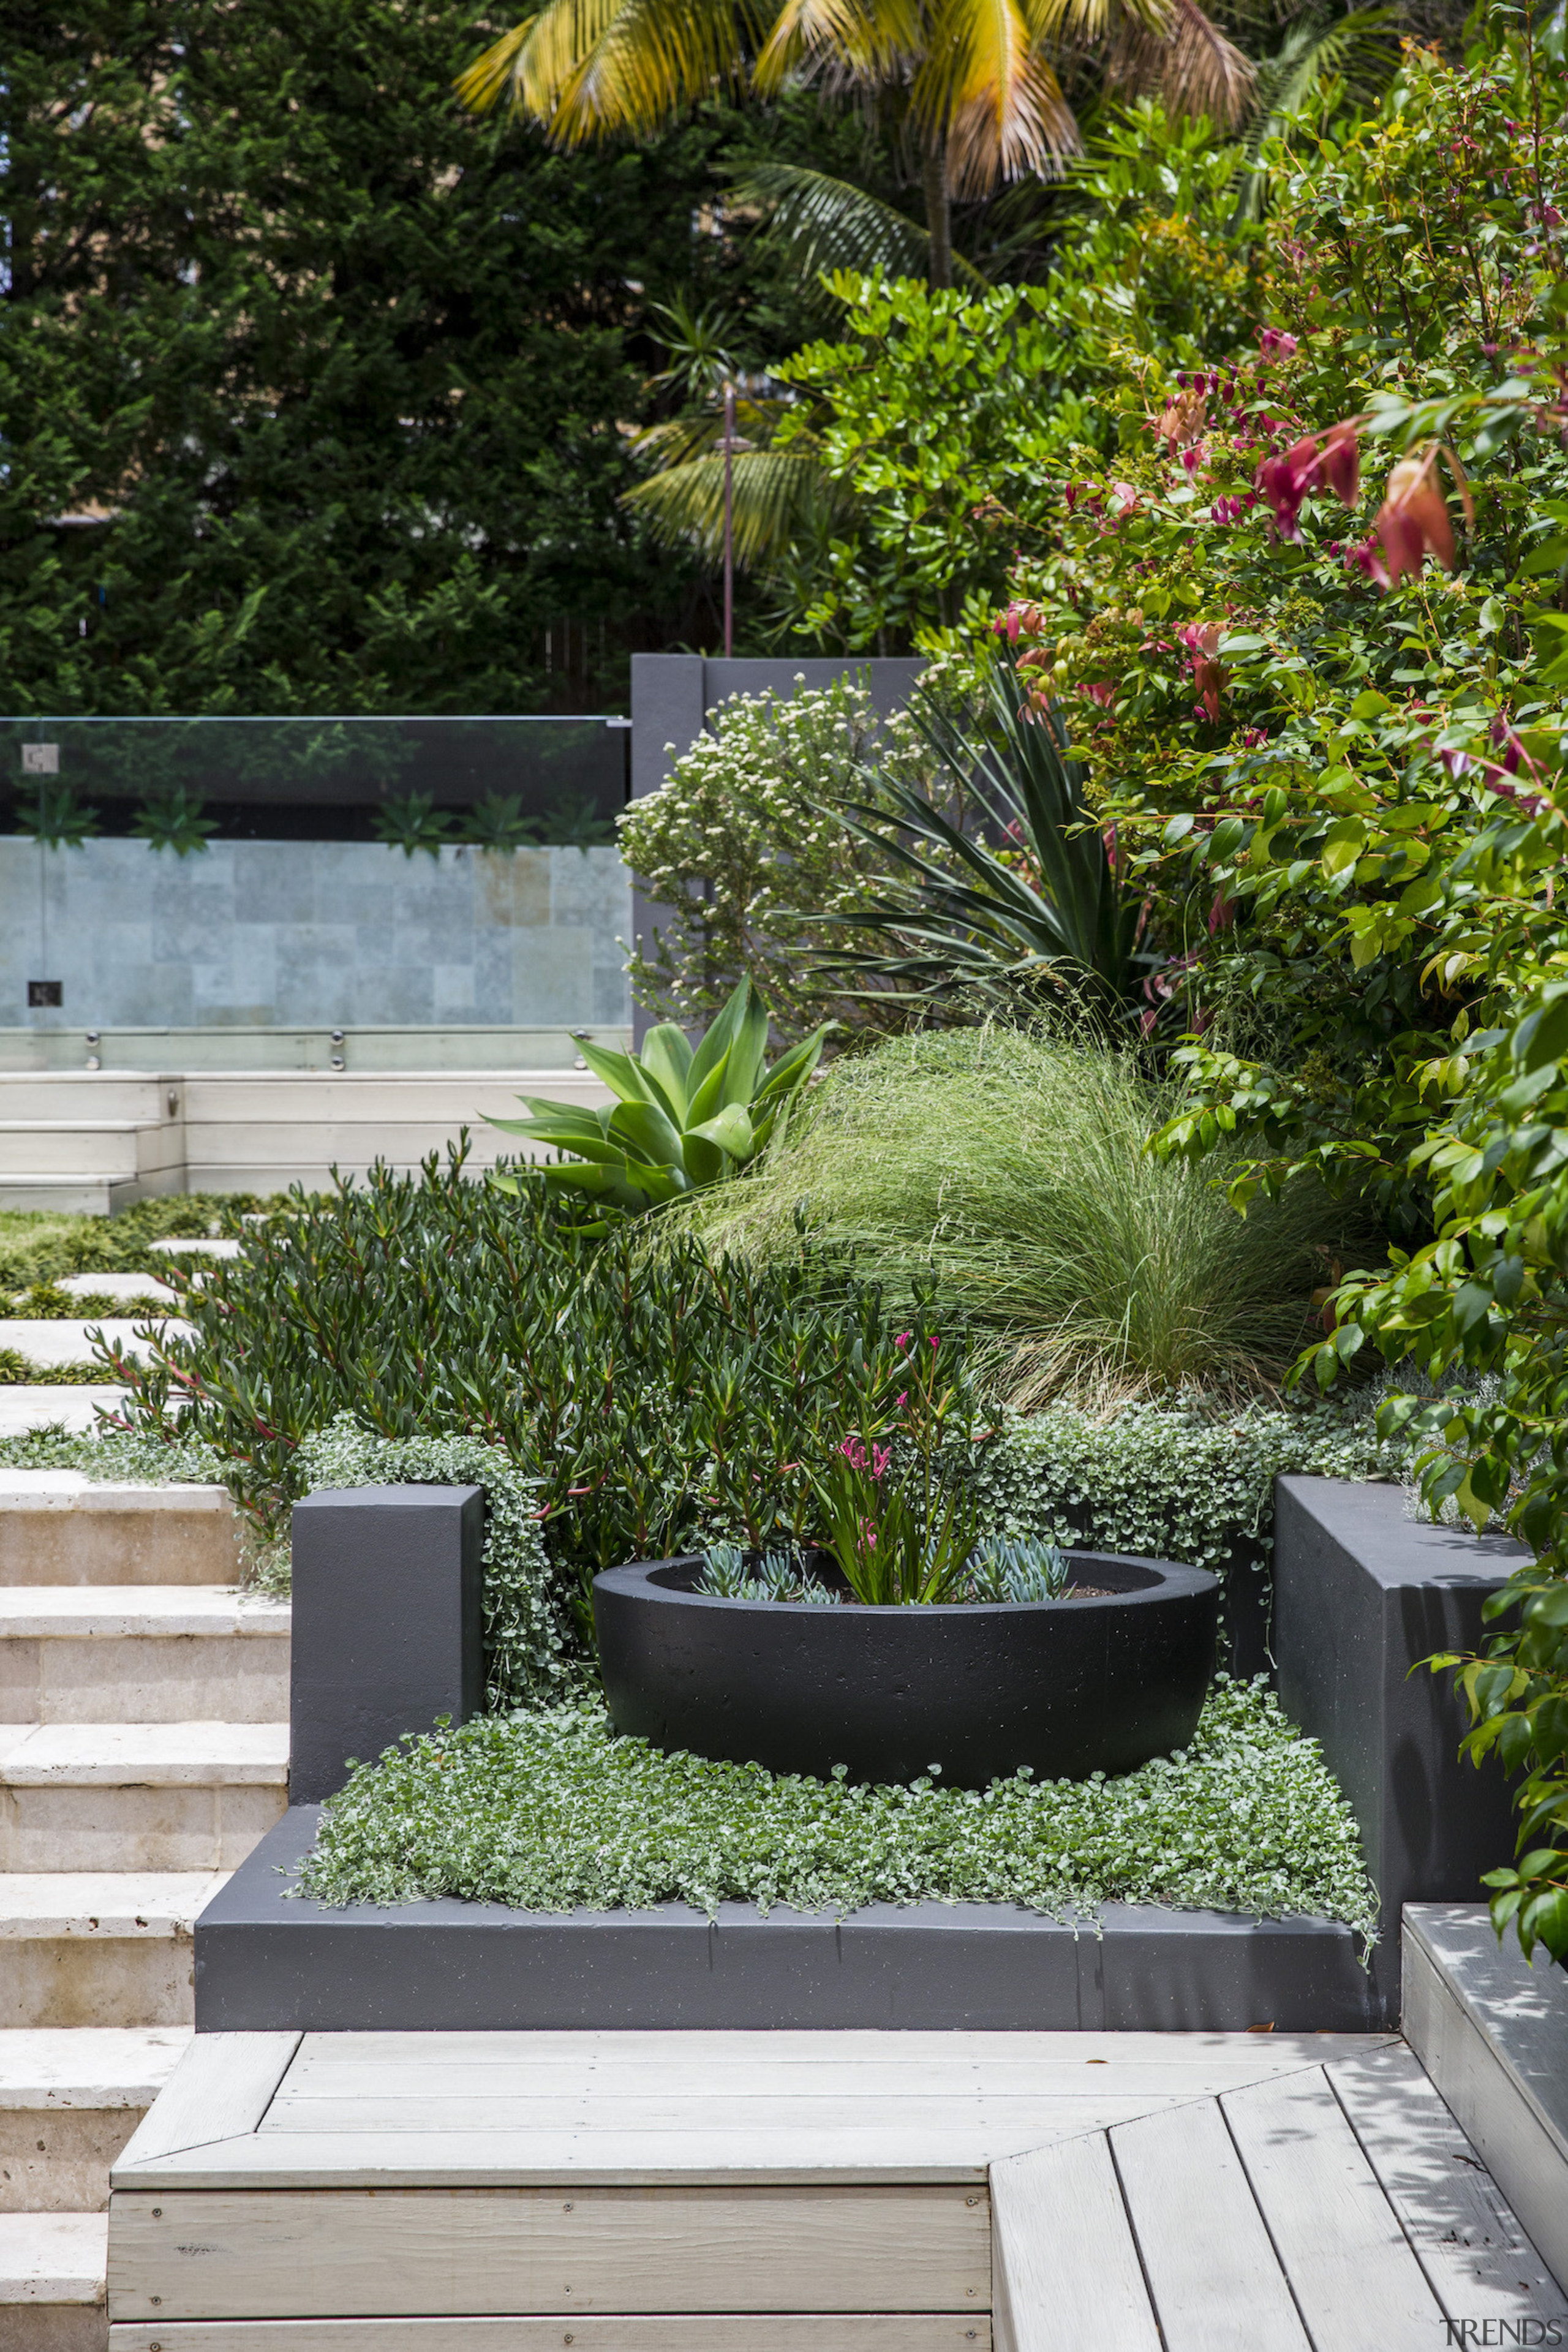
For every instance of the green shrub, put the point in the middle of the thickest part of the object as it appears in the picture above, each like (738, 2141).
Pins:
(1009, 1167)
(1171, 1482)
(550, 1810)
(36, 1247)
(737, 846)
(658, 1405)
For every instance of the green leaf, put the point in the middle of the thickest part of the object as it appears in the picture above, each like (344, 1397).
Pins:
(618, 1071)
(731, 1130)
(644, 1127)
(666, 1059)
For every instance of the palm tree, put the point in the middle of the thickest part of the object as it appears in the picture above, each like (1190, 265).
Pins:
(974, 82)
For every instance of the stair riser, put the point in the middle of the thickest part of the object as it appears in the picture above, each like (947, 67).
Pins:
(55, 1151)
(108, 1547)
(133, 1828)
(145, 1678)
(56, 2159)
(95, 1980)
(53, 2328)
(82, 1196)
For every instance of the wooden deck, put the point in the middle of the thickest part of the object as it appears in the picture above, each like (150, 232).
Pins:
(808, 2192)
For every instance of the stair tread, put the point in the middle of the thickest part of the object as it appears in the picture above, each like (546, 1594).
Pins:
(157, 1755)
(53, 2257)
(103, 1903)
(40, 1405)
(120, 1611)
(114, 1286)
(88, 2065)
(73, 1490)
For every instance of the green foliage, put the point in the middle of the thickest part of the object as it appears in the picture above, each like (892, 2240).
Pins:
(1182, 1481)
(1044, 914)
(54, 817)
(682, 1119)
(411, 822)
(658, 1404)
(38, 1246)
(173, 819)
(728, 1573)
(1008, 1166)
(1018, 1570)
(329, 378)
(946, 414)
(736, 844)
(1338, 772)
(551, 1811)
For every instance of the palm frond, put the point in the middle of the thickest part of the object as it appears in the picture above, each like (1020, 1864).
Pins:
(775, 494)
(587, 67)
(1361, 50)
(829, 225)
(863, 41)
(986, 84)
(1186, 61)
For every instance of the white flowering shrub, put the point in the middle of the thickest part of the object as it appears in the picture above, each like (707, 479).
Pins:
(553, 1809)
(530, 1654)
(735, 844)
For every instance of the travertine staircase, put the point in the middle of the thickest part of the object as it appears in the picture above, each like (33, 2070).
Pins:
(144, 1750)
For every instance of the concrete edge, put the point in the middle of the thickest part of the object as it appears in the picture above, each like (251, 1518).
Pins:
(268, 1961)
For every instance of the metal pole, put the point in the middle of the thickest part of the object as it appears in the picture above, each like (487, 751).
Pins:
(729, 520)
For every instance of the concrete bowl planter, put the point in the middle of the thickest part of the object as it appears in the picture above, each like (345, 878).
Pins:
(1067, 1687)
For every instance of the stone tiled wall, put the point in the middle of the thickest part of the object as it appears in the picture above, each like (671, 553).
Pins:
(256, 934)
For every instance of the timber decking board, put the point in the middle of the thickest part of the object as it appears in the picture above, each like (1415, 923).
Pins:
(355, 2253)
(1211, 2269)
(213, 2094)
(876, 2331)
(1478, 2258)
(1356, 2283)
(678, 2192)
(1064, 2267)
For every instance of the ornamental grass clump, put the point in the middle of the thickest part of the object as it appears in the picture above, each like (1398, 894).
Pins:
(552, 1811)
(1007, 1167)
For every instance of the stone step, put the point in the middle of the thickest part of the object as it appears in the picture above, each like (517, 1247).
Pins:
(139, 1796)
(58, 1527)
(142, 1653)
(49, 1406)
(64, 1341)
(89, 1147)
(60, 1195)
(52, 2294)
(99, 1948)
(128, 1288)
(68, 2103)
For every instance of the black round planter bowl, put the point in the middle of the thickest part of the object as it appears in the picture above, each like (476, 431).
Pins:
(1068, 1687)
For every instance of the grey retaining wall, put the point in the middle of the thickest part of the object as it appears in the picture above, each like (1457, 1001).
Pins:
(1363, 1595)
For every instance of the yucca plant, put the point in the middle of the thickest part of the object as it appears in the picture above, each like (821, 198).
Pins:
(682, 1117)
(1043, 909)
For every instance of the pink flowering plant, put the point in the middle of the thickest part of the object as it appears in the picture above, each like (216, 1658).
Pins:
(898, 1509)
(1317, 661)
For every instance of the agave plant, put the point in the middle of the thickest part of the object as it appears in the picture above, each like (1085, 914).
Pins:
(1044, 905)
(682, 1117)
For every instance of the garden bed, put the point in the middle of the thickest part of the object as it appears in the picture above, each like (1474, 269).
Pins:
(550, 1812)
(543, 1872)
